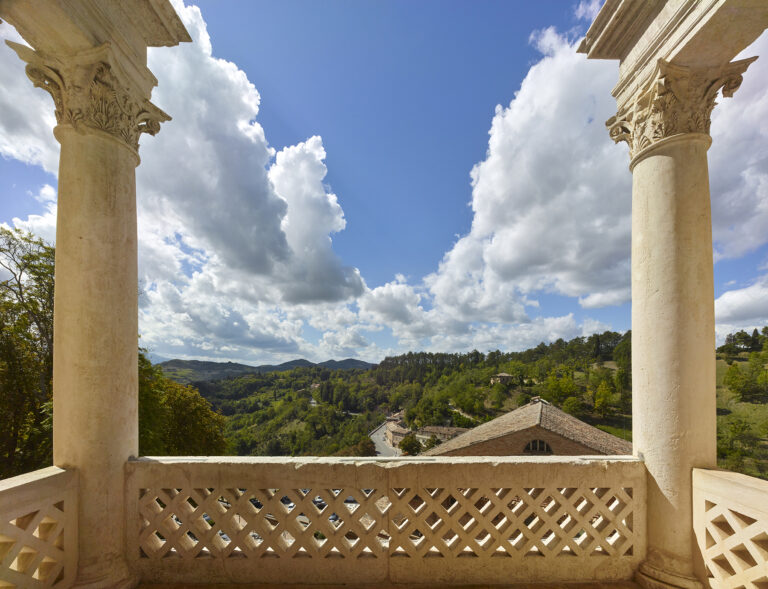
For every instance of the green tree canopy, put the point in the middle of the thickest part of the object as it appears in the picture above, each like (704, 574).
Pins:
(26, 345)
(410, 445)
(173, 419)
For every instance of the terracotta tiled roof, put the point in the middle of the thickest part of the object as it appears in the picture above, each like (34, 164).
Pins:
(442, 429)
(548, 417)
(395, 427)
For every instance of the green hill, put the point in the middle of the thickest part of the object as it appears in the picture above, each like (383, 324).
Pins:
(187, 371)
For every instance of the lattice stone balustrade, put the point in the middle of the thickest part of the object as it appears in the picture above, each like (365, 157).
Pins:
(730, 518)
(38, 529)
(446, 520)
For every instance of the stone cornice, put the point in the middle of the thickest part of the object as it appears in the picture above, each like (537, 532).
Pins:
(675, 100)
(89, 93)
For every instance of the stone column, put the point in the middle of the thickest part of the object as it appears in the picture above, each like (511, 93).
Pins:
(95, 374)
(673, 323)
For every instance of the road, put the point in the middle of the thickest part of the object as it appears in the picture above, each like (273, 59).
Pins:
(382, 448)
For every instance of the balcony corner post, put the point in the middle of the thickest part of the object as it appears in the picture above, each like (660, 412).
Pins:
(90, 57)
(666, 124)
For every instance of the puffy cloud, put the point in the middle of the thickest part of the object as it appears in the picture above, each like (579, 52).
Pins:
(314, 272)
(206, 174)
(392, 303)
(739, 162)
(236, 255)
(229, 235)
(26, 114)
(43, 225)
(508, 336)
(588, 9)
(744, 306)
(551, 200)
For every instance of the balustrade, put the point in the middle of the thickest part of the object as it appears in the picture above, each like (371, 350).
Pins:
(730, 519)
(459, 520)
(38, 529)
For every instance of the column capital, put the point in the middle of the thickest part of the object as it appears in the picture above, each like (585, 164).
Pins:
(91, 92)
(675, 100)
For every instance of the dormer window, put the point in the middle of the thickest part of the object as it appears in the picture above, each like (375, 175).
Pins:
(537, 447)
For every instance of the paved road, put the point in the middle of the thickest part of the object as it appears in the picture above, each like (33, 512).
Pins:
(382, 448)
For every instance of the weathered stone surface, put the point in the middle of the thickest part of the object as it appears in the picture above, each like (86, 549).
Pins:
(675, 58)
(90, 55)
(439, 520)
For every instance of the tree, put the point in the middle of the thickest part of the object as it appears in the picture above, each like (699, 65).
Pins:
(173, 419)
(191, 427)
(432, 442)
(573, 406)
(410, 445)
(748, 381)
(26, 352)
(603, 399)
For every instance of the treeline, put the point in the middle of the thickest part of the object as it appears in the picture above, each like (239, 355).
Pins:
(316, 411)
(740, 342)
(742, 428)
(173, 419)
(304, 411)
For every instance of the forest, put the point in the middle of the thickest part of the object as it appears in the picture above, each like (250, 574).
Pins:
(315, 411)
(326, 410)
(173, 418)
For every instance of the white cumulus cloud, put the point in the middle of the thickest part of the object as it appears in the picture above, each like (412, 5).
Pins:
(236, 251)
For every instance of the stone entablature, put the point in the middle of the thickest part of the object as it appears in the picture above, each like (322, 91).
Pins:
(409, 520)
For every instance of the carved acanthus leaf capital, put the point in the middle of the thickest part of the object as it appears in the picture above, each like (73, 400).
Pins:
(677, 100)
(88, 93)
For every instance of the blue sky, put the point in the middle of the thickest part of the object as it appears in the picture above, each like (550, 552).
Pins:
(361, 178)
(402, 94)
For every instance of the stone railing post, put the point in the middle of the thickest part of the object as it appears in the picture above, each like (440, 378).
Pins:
(666, 124)
(674, 56)
(95, 373)
(91, 57)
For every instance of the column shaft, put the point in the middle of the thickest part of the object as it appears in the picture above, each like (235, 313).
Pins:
(96, 338)
(673, 341)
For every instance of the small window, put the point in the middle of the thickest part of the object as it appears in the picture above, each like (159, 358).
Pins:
(537, 447)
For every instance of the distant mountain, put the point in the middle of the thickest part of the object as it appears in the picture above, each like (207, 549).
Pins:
(348, 364)
(186, 371)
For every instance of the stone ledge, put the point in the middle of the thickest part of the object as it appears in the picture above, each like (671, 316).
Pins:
(612, 585)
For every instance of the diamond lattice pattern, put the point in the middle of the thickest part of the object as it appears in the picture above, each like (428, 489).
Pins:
(549, 522)
(735, 547)
(32, 548)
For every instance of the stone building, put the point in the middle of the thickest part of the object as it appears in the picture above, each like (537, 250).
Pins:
(501, 377)
(664, 517)
(537, 428)
(441, 432)
(396, 431)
